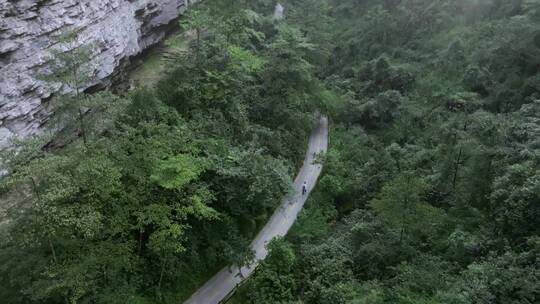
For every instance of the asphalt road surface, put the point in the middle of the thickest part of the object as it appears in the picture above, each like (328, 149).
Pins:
(225, 281)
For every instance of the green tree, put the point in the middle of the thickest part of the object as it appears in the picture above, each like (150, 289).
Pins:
(70, 66)
(196, 20)
(274, 282)
(402, 206)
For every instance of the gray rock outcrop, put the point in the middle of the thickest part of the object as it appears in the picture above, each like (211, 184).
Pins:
(29, 30)
(279, 11)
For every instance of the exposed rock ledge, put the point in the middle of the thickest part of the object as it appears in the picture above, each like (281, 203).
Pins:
(29, 28)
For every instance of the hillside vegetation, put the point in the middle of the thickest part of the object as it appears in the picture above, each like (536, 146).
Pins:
(139, 199)
(430, 191)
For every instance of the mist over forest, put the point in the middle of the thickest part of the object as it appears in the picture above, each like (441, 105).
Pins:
(429, 192)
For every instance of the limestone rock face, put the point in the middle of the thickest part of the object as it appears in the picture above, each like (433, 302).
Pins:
(30, 29)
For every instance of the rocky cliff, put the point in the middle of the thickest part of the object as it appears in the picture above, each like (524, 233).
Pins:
(30, 29)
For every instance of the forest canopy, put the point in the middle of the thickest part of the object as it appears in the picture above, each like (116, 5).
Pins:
(431, 187)
(430, 191)
(139, 197)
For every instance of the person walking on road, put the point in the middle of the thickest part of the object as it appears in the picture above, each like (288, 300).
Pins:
(304, 188)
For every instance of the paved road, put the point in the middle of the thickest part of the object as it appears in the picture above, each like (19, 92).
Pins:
(224, 282)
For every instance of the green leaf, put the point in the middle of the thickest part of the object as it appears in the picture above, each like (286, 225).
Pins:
(177, 171)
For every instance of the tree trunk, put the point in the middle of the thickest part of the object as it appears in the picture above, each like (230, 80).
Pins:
(81, 126)
(51, 246)
(456, 168)
(161, 274)
(198, 41)
(34, 188)
(81, 114)
(141, 234)
(38, 196)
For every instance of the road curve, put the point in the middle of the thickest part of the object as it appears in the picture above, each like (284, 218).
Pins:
(224, 282)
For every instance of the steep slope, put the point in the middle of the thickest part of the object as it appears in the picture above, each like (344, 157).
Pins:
(29, 30)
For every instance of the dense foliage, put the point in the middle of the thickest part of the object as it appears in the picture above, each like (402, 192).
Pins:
(431, 189)
(138, 199)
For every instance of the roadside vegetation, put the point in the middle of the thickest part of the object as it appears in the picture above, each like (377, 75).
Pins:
(430, 191)
(431, 187)
(139, 199)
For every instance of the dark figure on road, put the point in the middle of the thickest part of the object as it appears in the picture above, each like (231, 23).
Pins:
(304, 188)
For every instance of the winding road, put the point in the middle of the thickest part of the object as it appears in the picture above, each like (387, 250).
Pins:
(224, 282)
